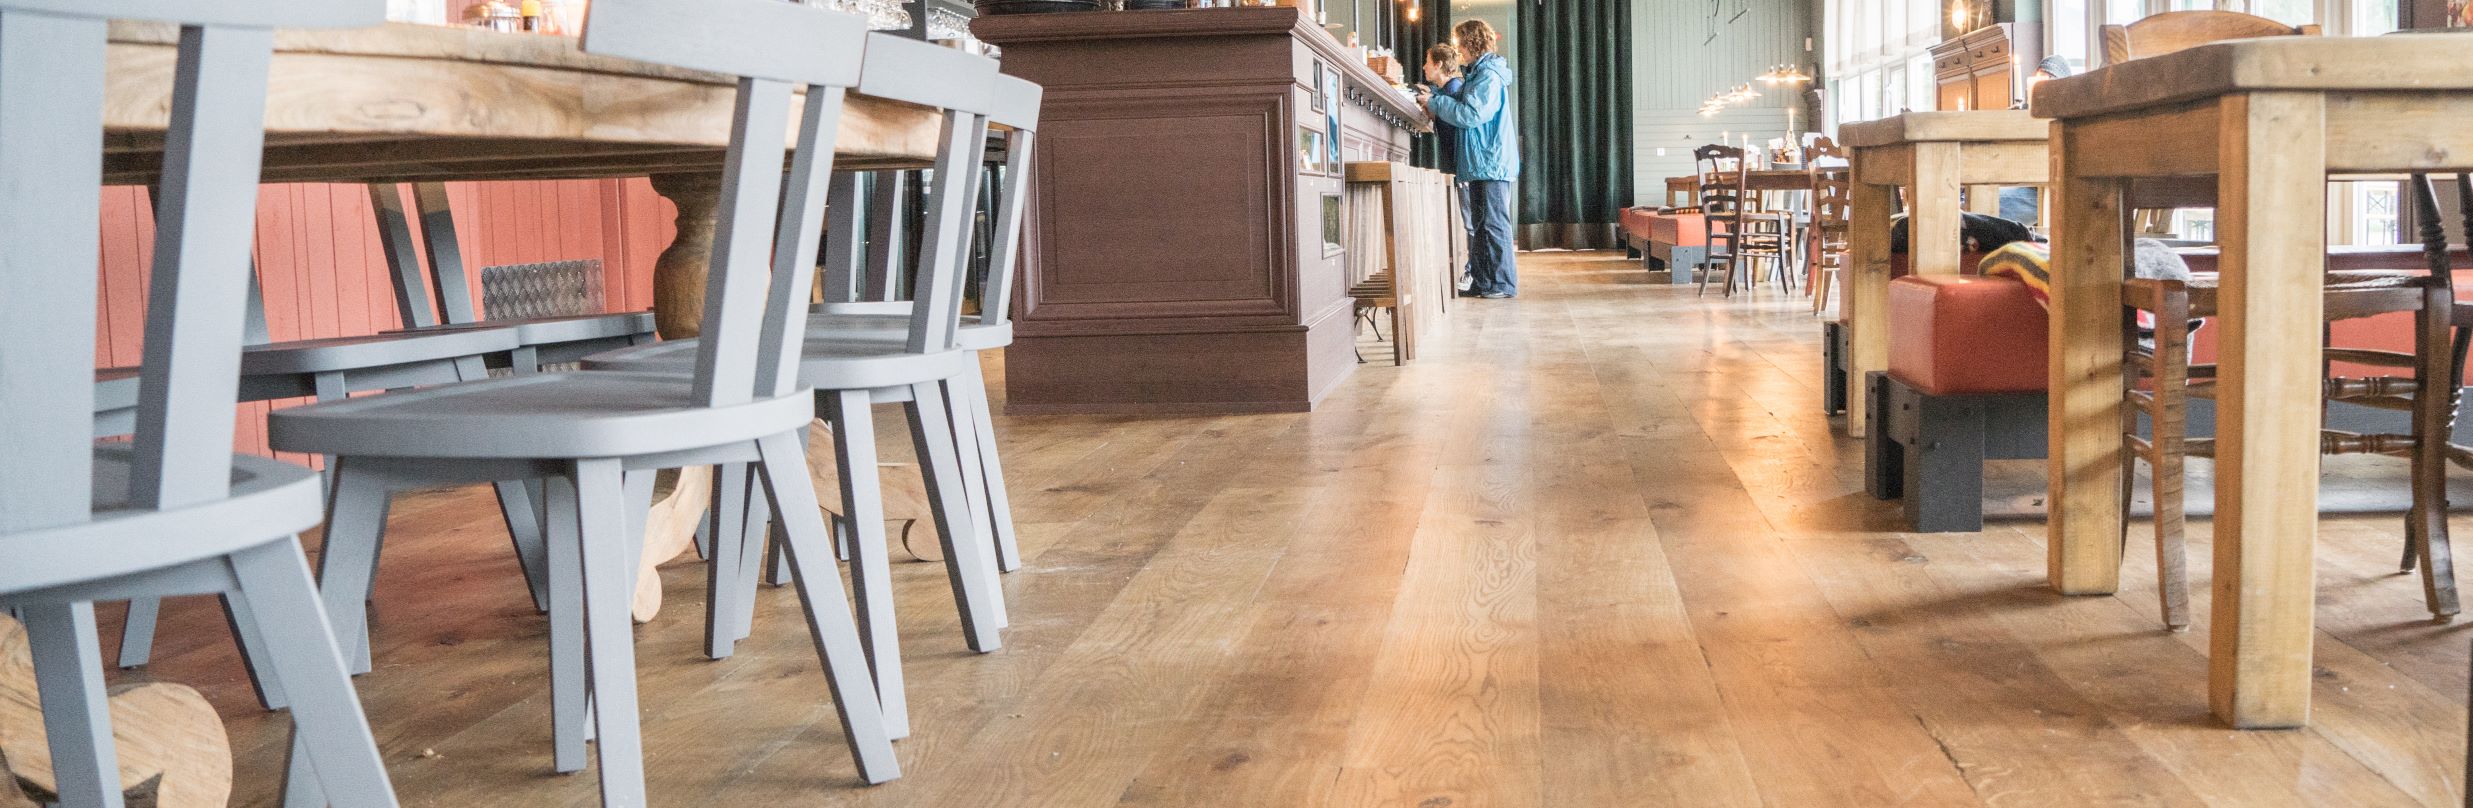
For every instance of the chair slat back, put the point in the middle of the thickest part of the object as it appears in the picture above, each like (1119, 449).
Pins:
(1721, 176)
(960, 84)
(1016, 106)
(772, 47)
(794, 246)
(1832, 198)
(51, 175)
(2181, 30)
(51, 151)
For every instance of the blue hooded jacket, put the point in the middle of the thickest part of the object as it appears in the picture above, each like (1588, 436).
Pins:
(1489, 148)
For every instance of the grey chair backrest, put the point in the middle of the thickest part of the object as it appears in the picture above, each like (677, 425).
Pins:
(1016, 107)
(960, 84)
(51, 155)
(750, 343)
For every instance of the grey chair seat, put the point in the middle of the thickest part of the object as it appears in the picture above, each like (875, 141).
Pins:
(372, 351)
(823, 362)
(549, 415)
(538, 331)
(269, 498)
(850, 326)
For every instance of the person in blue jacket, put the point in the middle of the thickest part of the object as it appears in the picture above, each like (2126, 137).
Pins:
(1488, 159)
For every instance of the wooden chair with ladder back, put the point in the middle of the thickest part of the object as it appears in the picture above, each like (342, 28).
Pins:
(1734, 228)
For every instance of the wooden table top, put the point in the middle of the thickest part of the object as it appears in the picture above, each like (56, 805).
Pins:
(1926, 127)
(402, 102)
(2407, 62)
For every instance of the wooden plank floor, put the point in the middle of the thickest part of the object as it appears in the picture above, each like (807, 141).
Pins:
(1596, 548)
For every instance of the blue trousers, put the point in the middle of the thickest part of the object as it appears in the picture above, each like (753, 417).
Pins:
(1490, 264)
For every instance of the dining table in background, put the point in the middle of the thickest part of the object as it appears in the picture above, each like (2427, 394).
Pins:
(1931, 156)
(2269, 120)
(419, 103)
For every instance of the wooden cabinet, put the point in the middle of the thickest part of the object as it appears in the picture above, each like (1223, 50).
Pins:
(1987, 68)
(1183, 251)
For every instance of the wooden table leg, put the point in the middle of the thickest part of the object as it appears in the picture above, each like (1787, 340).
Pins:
(1933, 223)
(2083, 538)
(678, 275)
(1983, 199)
(2271, 221)
(1867, 294)
(678, 313)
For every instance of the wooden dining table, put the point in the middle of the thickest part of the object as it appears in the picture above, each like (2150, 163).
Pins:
(2269, 120)
(415, 103)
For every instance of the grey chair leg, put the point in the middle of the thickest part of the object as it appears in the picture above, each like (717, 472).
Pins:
(570, 693)
(965, 437)
(999, 502)
(137, 633)
(252, 640)
(520, 505)
(518, 501)
(755, 541)
(609, 632)
(968, 565)
(328, 726)
(865, 723)
(348, 564)
(137, 644)
(729, 522)
(871, 578)
(77, 718)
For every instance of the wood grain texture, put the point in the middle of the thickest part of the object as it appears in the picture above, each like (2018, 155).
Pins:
(171, 746)
(2273, 194)
(1688, 602)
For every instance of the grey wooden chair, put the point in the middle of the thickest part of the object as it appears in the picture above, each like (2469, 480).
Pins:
(539, 341)
(595, 438)
(844, 315)
(172, 511)
(849, 376)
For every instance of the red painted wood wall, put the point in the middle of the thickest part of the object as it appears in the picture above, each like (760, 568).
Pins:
(323, 275)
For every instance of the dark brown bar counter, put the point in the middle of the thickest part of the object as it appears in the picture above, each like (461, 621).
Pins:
(1176, 259)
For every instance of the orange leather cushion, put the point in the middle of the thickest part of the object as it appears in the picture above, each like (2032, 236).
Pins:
(1966, 334)
(1678, 229)
(1636, 221)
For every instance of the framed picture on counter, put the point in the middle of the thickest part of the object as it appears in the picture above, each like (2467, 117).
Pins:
(1320, 101)
(1333, 241)
(1331, 119)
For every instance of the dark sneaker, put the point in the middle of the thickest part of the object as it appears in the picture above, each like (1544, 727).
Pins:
(1469, 293)
(1496, 296)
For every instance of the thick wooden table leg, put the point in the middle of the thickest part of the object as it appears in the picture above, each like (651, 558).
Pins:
(678, 313)
(678, 275)
(2271, 221)
(1933, 225)
(2083, 542)
(1867, 294)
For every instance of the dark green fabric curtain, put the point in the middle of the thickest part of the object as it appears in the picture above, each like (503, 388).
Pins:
(1574, 93)
(1433, 24)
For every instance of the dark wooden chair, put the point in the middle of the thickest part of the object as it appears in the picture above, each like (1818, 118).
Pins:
(1734, 228)
(2429, 394)
(2180, 30)
(1832, 217)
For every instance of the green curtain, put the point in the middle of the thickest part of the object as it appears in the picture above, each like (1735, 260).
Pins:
(1433, 24)
(1574, 93)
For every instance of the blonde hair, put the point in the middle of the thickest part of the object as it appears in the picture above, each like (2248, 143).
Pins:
(1476, 38)
(1442, 53)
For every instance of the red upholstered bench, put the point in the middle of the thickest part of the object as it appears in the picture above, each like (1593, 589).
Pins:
(1837, 350)
(1965, 384)
(1666, 240)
